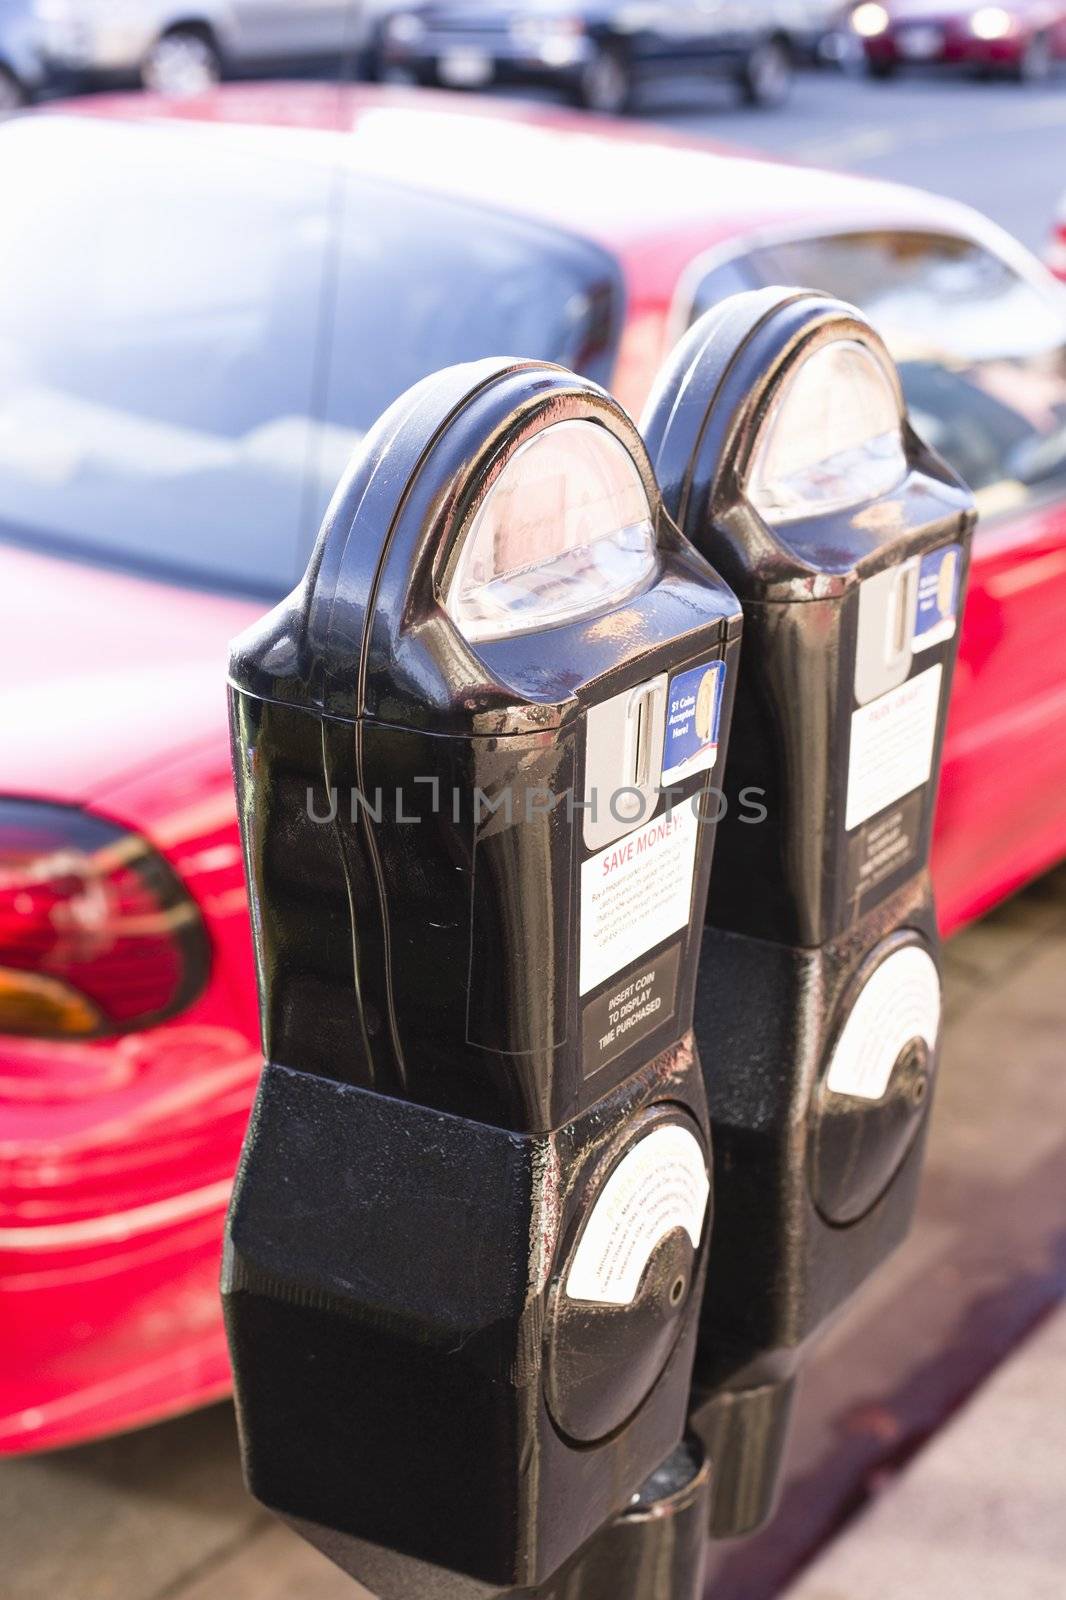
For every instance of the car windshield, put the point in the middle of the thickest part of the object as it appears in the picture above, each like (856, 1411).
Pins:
(981, 350)
(200, 324)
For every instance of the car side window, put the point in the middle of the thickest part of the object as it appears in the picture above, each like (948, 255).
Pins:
(981, 350)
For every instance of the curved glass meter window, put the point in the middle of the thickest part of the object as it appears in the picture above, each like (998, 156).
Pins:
(565, 531)
(833, 439)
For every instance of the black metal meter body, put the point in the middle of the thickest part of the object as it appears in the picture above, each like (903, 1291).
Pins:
(466, 1247)
(780, 437)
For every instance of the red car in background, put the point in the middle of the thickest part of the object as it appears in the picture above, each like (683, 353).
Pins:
(1022, 38)
(216, 300)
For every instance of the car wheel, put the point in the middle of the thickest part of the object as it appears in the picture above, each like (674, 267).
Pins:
(766, 79)
(12, 95)
(1034, 65)
(880, 71)
(184, 61)
(606, 84)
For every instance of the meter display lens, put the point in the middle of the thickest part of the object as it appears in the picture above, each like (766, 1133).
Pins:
(565, 531)
(833, 439)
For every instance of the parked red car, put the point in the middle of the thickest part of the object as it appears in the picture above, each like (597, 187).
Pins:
(1023, 38)
(1056, 254)
(217, 299)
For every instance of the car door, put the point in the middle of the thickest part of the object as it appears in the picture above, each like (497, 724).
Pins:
(726, 28)
(981, 344)
(284, 30)
(686, 32)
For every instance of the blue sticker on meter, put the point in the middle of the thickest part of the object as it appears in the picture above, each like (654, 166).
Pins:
(938, 596)
(693, 714)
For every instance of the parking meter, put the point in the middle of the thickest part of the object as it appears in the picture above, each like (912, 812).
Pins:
(465, 1253)
(780, 437)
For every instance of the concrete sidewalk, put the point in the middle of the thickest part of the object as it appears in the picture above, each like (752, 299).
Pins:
(981, 1512)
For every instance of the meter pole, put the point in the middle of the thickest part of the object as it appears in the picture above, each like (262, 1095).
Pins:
(654, 1550)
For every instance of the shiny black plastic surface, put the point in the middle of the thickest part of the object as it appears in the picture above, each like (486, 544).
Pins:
(449, 1090)
(797, 877)
(430, 950)
(813, 1188)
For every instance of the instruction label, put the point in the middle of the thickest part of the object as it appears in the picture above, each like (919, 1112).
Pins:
(883, 846)
(892, 742)
(900, 1003)
(635, 894)
(693, 717)
(630, 1009)
(660, 1184)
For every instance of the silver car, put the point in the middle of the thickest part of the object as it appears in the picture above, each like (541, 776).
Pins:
(184, 46)
(22, 67)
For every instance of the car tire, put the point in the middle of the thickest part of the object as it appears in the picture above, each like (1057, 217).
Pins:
(606, 84)
(183, 61)
(880, 71)
(767, 75)
(13, 96)
(1036, 61)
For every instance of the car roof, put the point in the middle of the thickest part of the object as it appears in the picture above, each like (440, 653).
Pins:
(622, 183)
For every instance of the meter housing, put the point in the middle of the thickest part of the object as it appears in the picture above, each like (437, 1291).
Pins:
(466, 1249)
(779, 434)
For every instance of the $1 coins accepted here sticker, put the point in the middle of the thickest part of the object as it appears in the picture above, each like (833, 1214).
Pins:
(636, 893)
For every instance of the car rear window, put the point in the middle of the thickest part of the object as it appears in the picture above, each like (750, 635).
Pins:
(198, 325)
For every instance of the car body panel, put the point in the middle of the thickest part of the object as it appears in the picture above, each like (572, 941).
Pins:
(116, 1156)
(1056, 251)
(109, 42)
(149, 674)
(1001, 817)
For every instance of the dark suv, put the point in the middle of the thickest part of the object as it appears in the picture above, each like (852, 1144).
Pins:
(596, 51)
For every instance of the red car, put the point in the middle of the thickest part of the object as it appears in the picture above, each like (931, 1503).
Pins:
(218, 298)
(1022, 38)
(1056, 254)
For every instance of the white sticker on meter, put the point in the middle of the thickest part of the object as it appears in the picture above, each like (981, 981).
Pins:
(899, 1003)
(659, 1185)
(892, 742)
(635, 894)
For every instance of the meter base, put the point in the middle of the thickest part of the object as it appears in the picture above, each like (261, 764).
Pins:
(654, 1550)
(423, 1351)
(784, 1257)
(814, 1189)
(744, 1432)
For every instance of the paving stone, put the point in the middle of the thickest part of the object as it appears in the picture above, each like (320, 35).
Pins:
(981, 1511)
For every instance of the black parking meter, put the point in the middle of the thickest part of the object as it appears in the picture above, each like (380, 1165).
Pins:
(780, 438)
(466, 1247)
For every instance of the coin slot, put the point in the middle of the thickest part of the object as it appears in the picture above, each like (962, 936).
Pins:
(641, 737)
(902, 611)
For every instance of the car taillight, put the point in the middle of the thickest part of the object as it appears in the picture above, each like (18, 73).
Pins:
(97, 934)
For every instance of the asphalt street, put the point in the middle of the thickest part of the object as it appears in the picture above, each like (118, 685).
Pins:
(997, 146)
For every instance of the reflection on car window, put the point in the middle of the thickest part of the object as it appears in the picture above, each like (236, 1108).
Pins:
(201, 323)
(982, 353)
